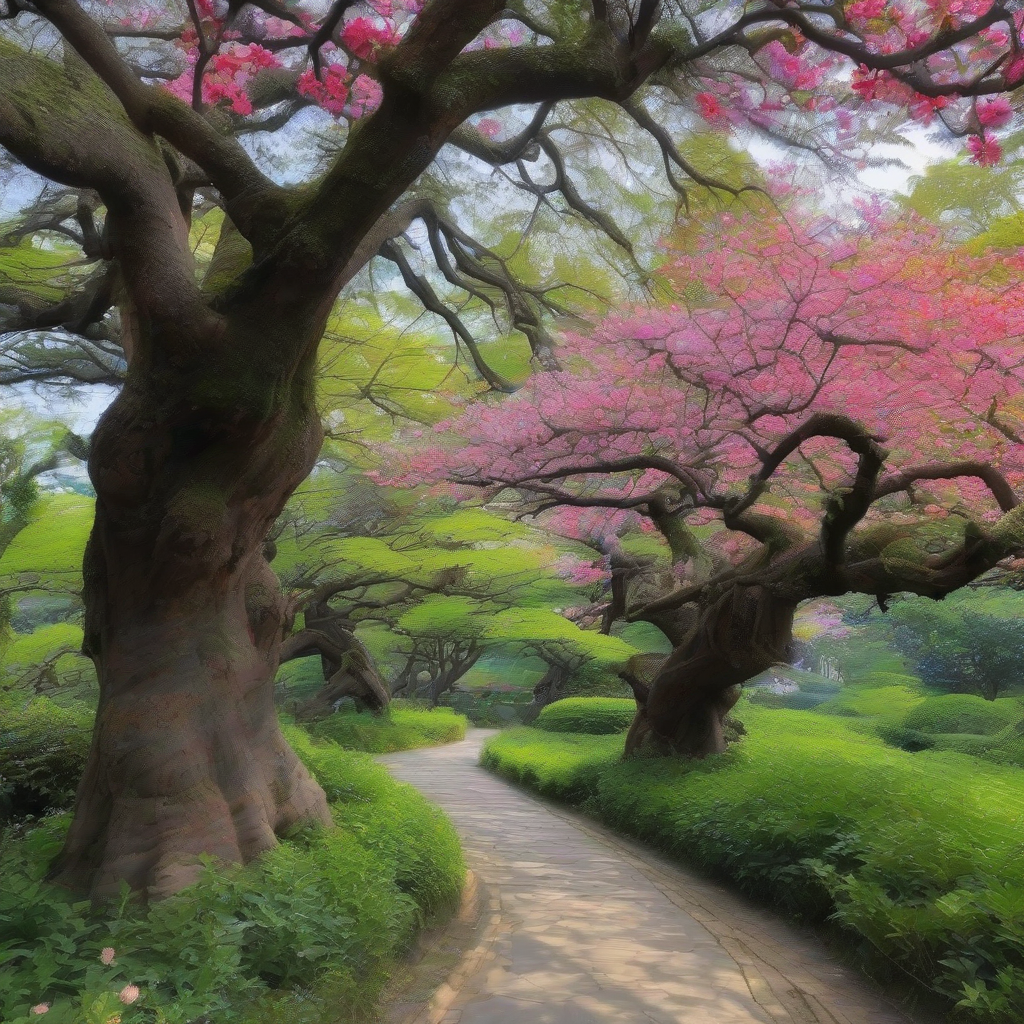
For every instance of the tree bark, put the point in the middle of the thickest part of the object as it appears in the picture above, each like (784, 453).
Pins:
(741, 633)
(184, 621)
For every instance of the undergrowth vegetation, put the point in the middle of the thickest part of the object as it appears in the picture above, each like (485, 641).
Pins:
(305, 933)
(917, 856)
(43, 747)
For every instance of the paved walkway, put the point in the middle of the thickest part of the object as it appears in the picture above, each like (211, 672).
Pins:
(592, 929)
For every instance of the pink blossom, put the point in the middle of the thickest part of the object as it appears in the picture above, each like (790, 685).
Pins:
(365, 39)
(330, 90)
(107, 955)
(984, 150)
(866, 9)
(996, 112)
(366, 95)
(710, 107)
(129, 994)
(41, 1008)
(489, 127)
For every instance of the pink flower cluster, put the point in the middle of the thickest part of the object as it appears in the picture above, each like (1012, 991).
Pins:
(773, 320)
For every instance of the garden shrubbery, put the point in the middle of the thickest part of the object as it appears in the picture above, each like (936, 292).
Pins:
(917, 855)
(43, 748)
(594, 715)
(304, 933)
(402, 726)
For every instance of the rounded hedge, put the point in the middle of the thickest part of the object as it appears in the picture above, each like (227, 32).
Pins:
(963, 713)
(597, 716)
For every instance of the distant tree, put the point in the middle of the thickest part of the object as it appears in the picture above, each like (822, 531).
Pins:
(961, 650)
(822, 411)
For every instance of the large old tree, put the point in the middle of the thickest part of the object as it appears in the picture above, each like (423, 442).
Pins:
(135, 112)
(821, 411)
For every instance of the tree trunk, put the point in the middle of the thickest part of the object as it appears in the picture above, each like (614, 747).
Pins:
(546, 691)
(742, 633)
(348, 667)
(184, 621)
(446, 679)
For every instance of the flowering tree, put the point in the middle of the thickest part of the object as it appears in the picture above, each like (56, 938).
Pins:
(821, 412)
(140, 112)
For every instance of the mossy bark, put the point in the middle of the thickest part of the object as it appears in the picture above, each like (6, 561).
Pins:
(184, 621)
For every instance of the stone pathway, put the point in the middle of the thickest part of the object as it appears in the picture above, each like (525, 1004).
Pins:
(588, 928)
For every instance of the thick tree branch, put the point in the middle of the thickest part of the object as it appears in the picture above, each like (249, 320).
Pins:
(991, 477)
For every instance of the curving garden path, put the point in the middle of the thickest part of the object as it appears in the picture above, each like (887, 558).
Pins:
(588, 928)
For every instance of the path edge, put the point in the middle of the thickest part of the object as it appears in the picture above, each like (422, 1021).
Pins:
(474, 927)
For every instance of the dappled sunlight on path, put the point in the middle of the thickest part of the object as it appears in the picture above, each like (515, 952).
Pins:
(594, 930)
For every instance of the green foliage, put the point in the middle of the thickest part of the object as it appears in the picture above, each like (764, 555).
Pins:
(596, 716)
(966, 193)
(962, 645)
(401, 727)
(1005, 233)
(28, 649)
(43, 748)
(917, 855)
(303, 934)
(541, 630)
(44, 271)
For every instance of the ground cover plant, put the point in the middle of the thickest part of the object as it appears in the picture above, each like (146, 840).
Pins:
(305, 933)
(917, 856)
(43, 750)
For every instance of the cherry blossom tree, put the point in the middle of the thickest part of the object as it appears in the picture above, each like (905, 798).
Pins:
(141, 113)
(822, 411)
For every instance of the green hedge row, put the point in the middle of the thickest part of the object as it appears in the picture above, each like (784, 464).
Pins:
(917, 855)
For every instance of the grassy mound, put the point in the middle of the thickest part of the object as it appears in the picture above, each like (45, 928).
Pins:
(597, 716)
(401, 727)
(876, 698)
(964, 713)
(918, 855)
(305, 933)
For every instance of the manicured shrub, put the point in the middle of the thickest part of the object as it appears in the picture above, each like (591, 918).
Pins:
(596, 716)
(43, 748)
(401, 727)
(917, 855)
(303, 934)
(964, 713)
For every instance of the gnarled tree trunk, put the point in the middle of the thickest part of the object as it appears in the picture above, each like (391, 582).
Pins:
(348, 667)
(546, 691)
(184, 621)
(743, 632)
